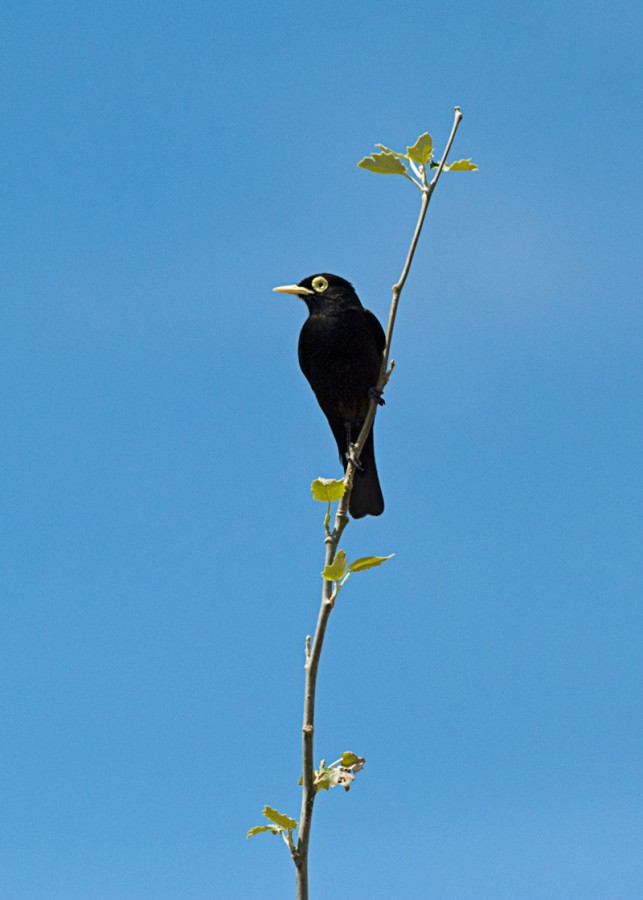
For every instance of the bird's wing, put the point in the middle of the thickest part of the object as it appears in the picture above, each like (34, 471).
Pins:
(304, 351)
(376, 330)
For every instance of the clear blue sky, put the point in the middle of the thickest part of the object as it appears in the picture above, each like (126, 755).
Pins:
(162, 167)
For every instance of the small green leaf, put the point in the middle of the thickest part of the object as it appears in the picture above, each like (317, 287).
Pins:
(328, 489)
(368, 562)
(349, 759)
(460, 165)
(386, 163)
(422, 150)
(273, 829)
(337, 569)
(284, 822)
(325, 779)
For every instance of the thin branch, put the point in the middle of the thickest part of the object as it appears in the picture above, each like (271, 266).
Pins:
(427, 193)
(313, 655)
(308, 785)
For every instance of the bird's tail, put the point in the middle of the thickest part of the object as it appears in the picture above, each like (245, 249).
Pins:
(366, 497)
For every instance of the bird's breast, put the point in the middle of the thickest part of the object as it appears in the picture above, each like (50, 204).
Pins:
(340, 360)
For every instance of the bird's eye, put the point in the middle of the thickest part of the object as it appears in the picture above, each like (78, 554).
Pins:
(320, 284)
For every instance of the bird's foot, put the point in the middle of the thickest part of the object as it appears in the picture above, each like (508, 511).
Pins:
(351, 458)
(376, 394)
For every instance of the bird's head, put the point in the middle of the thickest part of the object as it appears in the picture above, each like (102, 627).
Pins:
(323, 292)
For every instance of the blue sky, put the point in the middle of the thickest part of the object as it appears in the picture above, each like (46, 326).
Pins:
(163, 166)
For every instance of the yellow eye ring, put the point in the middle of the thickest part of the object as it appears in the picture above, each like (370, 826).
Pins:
(320, 284)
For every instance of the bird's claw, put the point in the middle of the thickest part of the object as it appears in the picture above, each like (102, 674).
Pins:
(376, 394)
(350, 458)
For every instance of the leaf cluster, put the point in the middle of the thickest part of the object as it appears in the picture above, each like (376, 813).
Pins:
(340, 773)
(340, 569)
(414, 163)
(279, 824)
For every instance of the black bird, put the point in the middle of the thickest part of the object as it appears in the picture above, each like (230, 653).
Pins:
(340, 353)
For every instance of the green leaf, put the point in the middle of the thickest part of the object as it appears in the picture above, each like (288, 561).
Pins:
(387, 163)
(422, 150)
(337, 569)
(460, 165)
(349, 759)
(325, 779)
(278, 818)
(368, 562)
(259, 828)
(328, 489)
